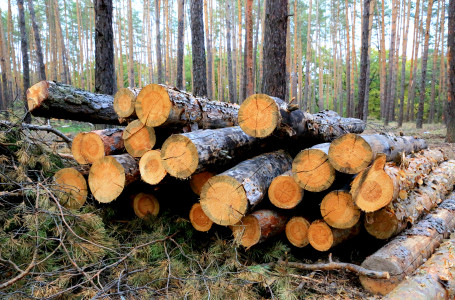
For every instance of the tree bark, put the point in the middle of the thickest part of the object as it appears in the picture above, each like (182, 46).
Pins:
(208, 39)
(249, 48)
(363, 89)
(229, 54)
(25, 61)
(403, 65)
(180, 45)
(348, 64)
(389, 103)
(305, 105)
(39, 52)
(130, 45)
(197, 38)
(159, 60)
(450, 112)
(383, 71)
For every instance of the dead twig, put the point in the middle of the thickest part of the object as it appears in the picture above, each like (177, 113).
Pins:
(46, 128)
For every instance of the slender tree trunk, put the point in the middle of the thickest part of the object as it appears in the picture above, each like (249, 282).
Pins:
(25, 61)
(353, 64)
(39, 52)
(433, 72)
(348, 64)
(413, 70)
(255, 49)
(367, 90)
(419, 122)
(364, 59)
(6, 93)
(130, 45)
(197, 38)
(181, 13)
(403, 65)
(249, 48)
(383, 72)
(240, 65)
(442, 76)
(451, 73)
(81, 46)
(12, 52)
(389, 93)
(208, 39)
(304, 105)
(320, 75)
(229, 54)
(159, 60)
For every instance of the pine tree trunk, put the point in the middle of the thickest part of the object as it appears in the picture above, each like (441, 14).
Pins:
(249, 48)
(180, 52)
(229, 54)
(450, 112)
(130, 46)
(364, 59)
(403, 65)
(39, 52)
(25, 61)
(197, 41)
(383, 71)
(159, 60)
(3, 59)
(390, 85)
(431, 116)
(413, 71)
(305, 103)
(208, 38)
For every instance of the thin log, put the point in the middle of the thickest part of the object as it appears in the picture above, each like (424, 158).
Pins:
(229, 196)
(71, 188)
(138, 138)
(199, 219)
(124, 102)
(145, 205)
(297, 231)
(339, 210)
(284, 192)
(151, 167)
(322, 237)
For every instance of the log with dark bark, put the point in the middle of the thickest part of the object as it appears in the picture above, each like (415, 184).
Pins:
(50, 99)
(71, 187)
(258, 227)
(284, 192)
(405, 253)
(89, 147)
(138, 138)
(199, 219)
(109, 175)
(395, 217)
(229, 196)
(339, 210)
(380, 184)
(145, 205)
(433, 280)
(352, 153)
(151, 167)
(261, 115)
(198, 180)
(124, 102)
(160, 105)
(312, 170)
(188, 153)
(322, 237)
(297, 231)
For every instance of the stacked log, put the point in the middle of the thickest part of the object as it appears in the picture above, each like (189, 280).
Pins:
(297, 231)
(138, 138)
(124, 102)
(199, 219)
(198, 180)
(322, 237)
(284, 192)
(151, 167)
(71, 187)
(145, 205)
(339, 210)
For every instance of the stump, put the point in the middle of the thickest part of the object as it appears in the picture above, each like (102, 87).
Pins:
(297, 231)
(284, 192)
(138, 138)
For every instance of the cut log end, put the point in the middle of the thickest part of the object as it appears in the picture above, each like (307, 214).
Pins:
(258, 115)
(284, 192)
(151, 167)
(106, 179)
(297, 231)
(224, 200)
(36, 94)
(380, 286)
(138, 138)
(180, 156)
(199, 219)
(87, 147)
(350, 154)
(72, 188)
(312, 170)
(124, 101)
(198, 180)
(382, 224)
(145, 205)
(153, 105)
(338, 210)
(320, 236)
(247, 232)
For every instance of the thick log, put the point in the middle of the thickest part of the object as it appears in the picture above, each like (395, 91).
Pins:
(146, 205)
(322, 237)
(380, 184)
(229, 196)
(338, 209)
(258, 227)
(297, 231)
(159, 105)
(261, 115)
(352, 153)
(395, 217)
(405, 253)
(138, 138)
(433, 280)
(89, 147)
(124, 102)
(284, 192)
(312, 170)
(198, 180)
(50, 99)
(199, 219)
(188, 153)
(151, 167)
(109, 175)
(71, 187)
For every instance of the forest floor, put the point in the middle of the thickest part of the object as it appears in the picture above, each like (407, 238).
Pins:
(164, 257)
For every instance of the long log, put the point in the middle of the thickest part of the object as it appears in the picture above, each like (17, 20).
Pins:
(395, 217)
(261, 115)
(258, 227)
(160, 105)
(435, 279)
(322, 237)
(50, 99)
(187, 153)
(71, 187)
(138, 138)
(312, 170)
(339, 210)
(380, 184)
(124, 102)
(199, 219)
(229, 196)
(352, 153)
(406, 252)
(284, 192)
(297, 231)
(109, 175)
(89, 147)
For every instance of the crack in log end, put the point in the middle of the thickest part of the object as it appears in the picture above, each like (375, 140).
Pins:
(180, 156)
(36, 94)
(258, 115)
(297, 231)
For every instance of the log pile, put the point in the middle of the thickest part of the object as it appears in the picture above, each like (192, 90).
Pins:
(253, 174)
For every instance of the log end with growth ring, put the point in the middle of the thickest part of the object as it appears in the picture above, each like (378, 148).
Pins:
(259, 115)
(138, 138)
(320, 236)
(247, 232)
(382, 224)
(373, 188)
(106, 179)
(284, 192)
(224, 200)
(338, 209)
(381, 286)
(180, 157)
(198, 180)
(124, 101)
(350, 154)
(297, 231)
(199, 219)
(153, 105)
(151, 167)
(72, 188)
(145, 205)
(36, 94)
(312, 170)
(87, 147)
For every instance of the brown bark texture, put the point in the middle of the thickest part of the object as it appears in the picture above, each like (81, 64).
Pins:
(450, 114)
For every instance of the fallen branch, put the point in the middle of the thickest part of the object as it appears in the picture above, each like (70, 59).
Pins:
(39, 128)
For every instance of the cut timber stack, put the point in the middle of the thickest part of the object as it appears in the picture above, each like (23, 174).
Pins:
(88, 147)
